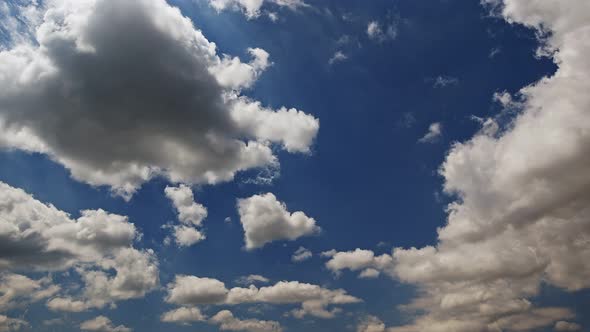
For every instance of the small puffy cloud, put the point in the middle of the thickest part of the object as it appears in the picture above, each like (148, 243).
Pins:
(253, 8)
(435, 131)
(183, 315)
(191, 290)
(301, 254)
(186, 94)
(251, 279)
(359, 260)
(371, 324)
(381, 33)
(102, 324)
(338, 56)
(567, 326)
(188, 291)
(265, 219)
(443, 81)
(190, 214)
(227, 322)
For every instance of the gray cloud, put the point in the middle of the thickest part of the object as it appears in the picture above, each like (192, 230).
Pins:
(119, 108)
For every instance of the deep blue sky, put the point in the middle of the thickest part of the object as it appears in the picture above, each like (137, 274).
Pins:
(368, 179)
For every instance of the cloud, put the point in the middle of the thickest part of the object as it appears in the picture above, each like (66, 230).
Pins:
(337, 57)
(358, 260)
(183, 315)
(434, 133)
(251, 279)
(265, 219)
(175, 112)
(253, 8)
(188, 291)
(443, 81)
(38, 237)
(19, 291)
(227, 322)
(8, 324)
(371, 324)
(190, 214)
(521, 217)
(102, 324)
(567, 326)
(379, 33)
(301, 254)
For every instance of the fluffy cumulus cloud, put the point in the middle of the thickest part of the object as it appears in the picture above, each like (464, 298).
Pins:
(522, 217)
(38, 237)
(190, 214)
(365, 261)
(18, 290)
(227, 322)
(253, 8)
(191, 291)
(176, 112)
(265, 219)
(102, 324)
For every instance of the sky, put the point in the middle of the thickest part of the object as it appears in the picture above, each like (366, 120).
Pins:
(294, 165)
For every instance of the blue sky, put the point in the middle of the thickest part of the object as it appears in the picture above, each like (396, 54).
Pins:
(400, 116)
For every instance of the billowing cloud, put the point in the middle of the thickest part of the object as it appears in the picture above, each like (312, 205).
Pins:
(189, 291)
(190, 214)
(253, 8)
(102, 324)
(174, 112)
(567, 326)
(38, 237)
(265, 219)
(522, 217)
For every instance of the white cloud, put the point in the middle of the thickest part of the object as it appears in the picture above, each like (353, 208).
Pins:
(265, 219)
(188, 291)
(358, 260)
(102, 324)
(19, 291)
(434, 133)
(521, 218)
(183, 315)
(377, 32)
(301, 254)
(337, 57)
(253, 8)
(227, 322)
(443, 81)
(38, 237)
(201, 138)
(251, 279)
(190, 214)
(567, 326)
